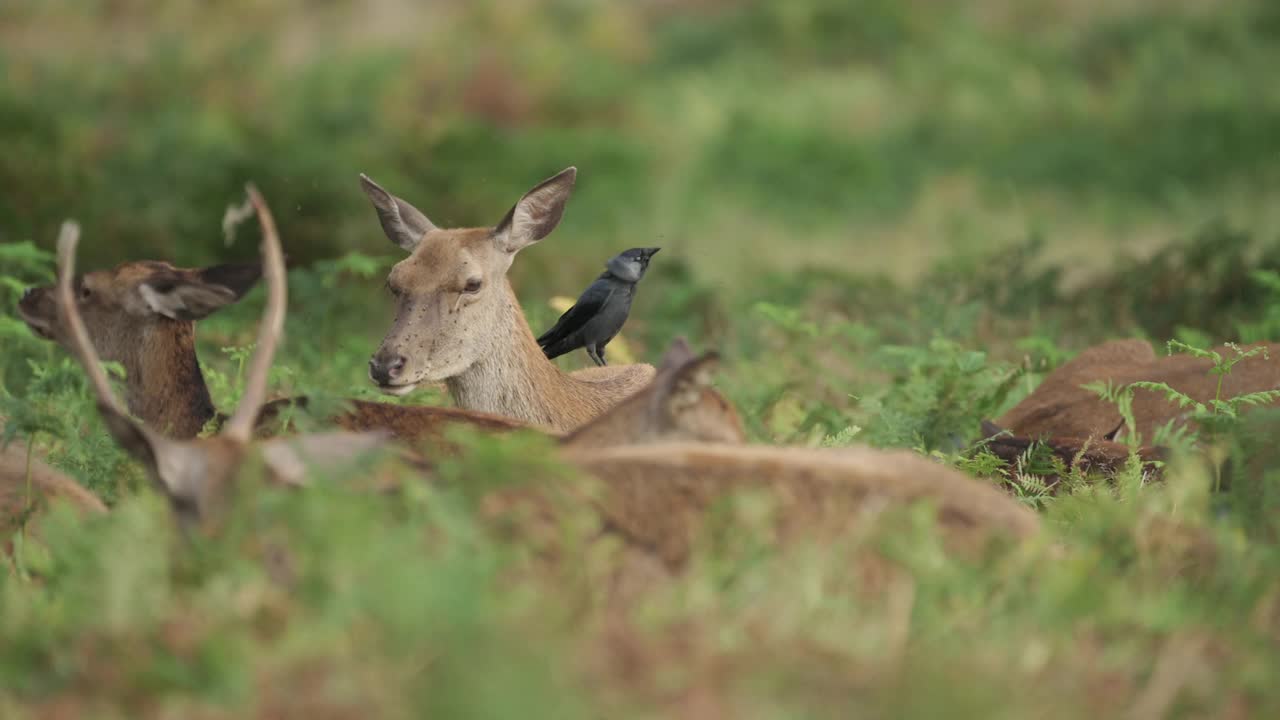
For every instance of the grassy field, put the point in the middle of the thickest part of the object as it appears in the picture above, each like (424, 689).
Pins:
(935, 204)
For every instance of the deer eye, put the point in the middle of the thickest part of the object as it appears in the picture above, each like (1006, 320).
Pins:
(472, 286)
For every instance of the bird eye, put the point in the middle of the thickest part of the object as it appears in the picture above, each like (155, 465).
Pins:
(472, 286)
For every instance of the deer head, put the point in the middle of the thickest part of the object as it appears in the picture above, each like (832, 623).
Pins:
(680, 404)
(196, 475)
(141, 314)
(451, 292)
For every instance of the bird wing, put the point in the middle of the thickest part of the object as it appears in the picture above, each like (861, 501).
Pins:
(592, 301)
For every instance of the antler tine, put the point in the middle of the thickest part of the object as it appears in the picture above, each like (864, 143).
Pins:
(240, 426)
(69, 314)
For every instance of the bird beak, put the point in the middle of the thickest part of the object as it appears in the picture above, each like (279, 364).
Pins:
(650, 252)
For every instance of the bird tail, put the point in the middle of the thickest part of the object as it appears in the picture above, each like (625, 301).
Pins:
(554, 349)
(552, 333)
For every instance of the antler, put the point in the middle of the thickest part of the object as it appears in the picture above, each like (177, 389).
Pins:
(240, 426)
(134, 438)
(68, 238)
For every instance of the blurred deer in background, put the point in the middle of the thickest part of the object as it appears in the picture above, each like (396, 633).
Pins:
(458, 321)
(197, 475)
(1062, 407)
(1074, 423)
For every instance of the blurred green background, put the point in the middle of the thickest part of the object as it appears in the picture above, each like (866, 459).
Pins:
(871, 135)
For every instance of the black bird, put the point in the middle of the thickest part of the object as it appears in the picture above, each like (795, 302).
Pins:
(601, 310)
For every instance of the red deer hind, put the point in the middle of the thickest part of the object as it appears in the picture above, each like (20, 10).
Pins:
(458, 321)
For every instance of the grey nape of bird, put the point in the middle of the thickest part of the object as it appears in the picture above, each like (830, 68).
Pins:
(601, 310)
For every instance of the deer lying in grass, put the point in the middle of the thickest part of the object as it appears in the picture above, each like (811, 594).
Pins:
(142, 315)
(656, 500)
(654, 496)
(457, 319)
(1060, 407)
(196, 475)
(1085, 455)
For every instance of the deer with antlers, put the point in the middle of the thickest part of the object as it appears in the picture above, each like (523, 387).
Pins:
(196, 475)
(458, 321)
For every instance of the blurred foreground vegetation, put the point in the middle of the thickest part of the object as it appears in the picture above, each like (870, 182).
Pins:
(892, 218)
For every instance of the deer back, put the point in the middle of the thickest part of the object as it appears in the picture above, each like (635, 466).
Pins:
(657, 496)
(1061, 407)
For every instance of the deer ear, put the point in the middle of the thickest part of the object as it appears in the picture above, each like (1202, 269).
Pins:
(678, 353)
(537, 213)
(239, 278)
(680, 386)
(185, 297)
(403, 223)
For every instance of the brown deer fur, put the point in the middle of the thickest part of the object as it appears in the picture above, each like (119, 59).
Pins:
(1084, 454)
(1060, 407)
(655, 497)
(458, 321)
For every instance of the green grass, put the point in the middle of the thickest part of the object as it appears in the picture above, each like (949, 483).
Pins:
(892, 219)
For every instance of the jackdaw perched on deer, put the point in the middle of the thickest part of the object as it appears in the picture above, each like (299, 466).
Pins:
(602, 309)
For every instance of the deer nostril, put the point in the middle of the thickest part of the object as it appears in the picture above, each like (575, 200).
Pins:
(384, 369)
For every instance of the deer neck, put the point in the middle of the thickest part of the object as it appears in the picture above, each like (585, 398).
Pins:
(165, 387)
(514, 378)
